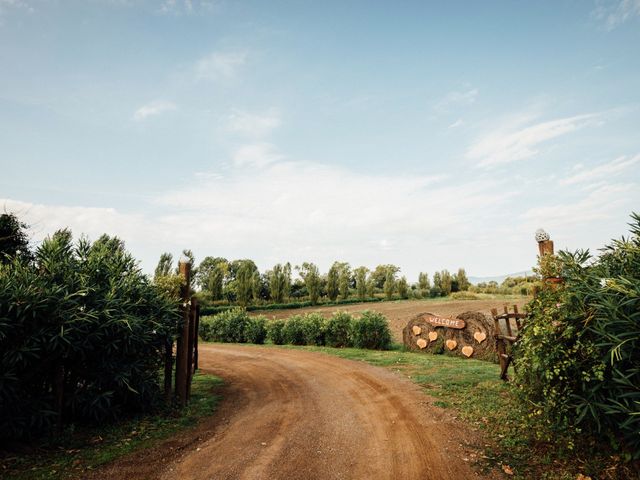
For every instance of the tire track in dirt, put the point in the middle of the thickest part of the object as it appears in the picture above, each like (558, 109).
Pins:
(292, 414)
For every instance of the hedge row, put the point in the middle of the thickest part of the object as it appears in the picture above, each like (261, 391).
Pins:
(287, 306)
(370, 330)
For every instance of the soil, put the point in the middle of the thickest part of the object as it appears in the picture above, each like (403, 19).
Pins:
(400, 312)
(293, 414)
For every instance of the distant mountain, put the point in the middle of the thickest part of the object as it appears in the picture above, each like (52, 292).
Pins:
(499, 278)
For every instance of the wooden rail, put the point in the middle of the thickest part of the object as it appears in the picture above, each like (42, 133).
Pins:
(504, 343)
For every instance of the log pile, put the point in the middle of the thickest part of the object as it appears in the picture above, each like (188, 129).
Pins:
(469, 335)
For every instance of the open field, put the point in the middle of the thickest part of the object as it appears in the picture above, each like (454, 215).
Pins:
(400, 312)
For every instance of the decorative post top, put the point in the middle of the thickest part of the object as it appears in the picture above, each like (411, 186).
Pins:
(545, 244)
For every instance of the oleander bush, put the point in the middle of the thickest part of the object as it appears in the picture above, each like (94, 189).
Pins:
(579, 354)
(229, 326)
(371, 331)
(256, 330)
(82, 335)
(338, 330)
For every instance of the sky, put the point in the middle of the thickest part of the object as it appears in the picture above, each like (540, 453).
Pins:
(430, 135)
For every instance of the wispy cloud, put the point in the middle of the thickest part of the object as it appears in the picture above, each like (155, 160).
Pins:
(253, 124)
(614, 13)
(456, 99)
(601, 172)
(509, 144)
(7, 6)
(181, 7)
(257, 155)
(220, 65)
(457, 123)
(152, 109)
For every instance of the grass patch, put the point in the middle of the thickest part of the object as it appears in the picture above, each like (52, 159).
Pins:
(86, 448)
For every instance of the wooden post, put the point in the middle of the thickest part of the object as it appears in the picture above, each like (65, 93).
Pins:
(190, 346)
(183, 339)
(196, 335)
(545, 247)
(58, 387)
(168, 369)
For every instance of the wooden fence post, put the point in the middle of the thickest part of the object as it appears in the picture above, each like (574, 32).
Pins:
(191, 342)
(197, 333)
(183, 340)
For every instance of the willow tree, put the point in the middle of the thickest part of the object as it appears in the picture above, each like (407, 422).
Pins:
(333, 280)
(164, 267)
(361, 281)
(211, 274)
(463, 281)
(279, 281)
(423, 283)
(403, 288)
(389, 285)
(345, 280)
(311, 277)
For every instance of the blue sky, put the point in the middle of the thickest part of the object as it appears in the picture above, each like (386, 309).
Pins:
(428, 135)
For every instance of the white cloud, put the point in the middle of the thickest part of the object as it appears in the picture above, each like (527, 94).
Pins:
(152, 109)
(220, 65)
(601, 172)
(457, 123)
(258, 155)
(253, 124)
(185, 7)
(7, 6)
(615, 13)
(456, 99)
(597, 206)
(509, 144)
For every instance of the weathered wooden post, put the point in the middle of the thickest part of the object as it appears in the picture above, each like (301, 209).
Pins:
(191, 343)
(168, 368)
(197, 333)
(182, 367)
(545, 244)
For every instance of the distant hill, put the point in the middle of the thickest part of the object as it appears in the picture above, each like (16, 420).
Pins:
(499, 278)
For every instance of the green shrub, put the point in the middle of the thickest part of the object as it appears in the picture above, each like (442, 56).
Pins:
(313, 329)
(579, 354)
(275, 331)
(464, 296)
(337, 329)
(293, 330)
(371, 331)
(255, 330)
(82, 317)
(229, 326)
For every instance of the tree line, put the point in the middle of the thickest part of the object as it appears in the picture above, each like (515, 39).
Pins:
(240, 282)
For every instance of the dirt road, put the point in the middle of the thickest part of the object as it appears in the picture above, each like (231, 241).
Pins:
(291, 414)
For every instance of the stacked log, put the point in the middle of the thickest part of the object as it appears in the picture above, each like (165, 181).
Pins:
(469, 335)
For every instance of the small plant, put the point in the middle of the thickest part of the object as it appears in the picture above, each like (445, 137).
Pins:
(275, 331)
(337, 330)
(371, 331)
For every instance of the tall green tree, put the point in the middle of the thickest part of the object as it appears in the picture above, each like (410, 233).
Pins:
(14, 241)
(164, 267)
(333, 281)
(423, 284)
(311, 276)
(389, 285)
(361, 281)
(279, 281)
(436, 290)
(446, 280)
(403, 287)
(379, 275)
(463, 281)
(345, 280)
(211, 275)
(244, 282)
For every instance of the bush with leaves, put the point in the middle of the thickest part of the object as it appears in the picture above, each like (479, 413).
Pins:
(229, 326)
(275, 331)
(337, 330)
(294, 330)
(313, 329)
(371, 331)
(83, 325)
(255, 330)
(579, 353)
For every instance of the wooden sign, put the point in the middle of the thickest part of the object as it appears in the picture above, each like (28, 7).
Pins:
(444, 321)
